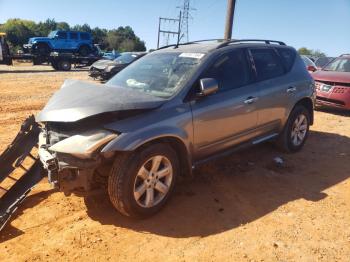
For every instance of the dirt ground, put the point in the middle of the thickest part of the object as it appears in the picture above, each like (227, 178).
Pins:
(239, 208)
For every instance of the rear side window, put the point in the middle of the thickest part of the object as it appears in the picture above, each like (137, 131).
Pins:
(288, 57)
(267, 64)
(73, 35)
(84, 36)
(62, 35)
(231, 70)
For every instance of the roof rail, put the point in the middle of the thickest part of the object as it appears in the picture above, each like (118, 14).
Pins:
(193, 42)
(344, 54)
(226, 43)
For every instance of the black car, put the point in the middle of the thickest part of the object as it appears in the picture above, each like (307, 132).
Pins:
(104, 69)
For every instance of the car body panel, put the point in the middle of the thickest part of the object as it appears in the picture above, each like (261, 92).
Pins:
(164, 122)
(77, 100)
(276, 101)
(333, 88)
(222, 120)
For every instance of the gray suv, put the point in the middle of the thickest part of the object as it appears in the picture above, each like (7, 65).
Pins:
(169, 111)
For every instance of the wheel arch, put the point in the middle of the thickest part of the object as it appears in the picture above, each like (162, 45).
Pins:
(177, 144)
(80, 45)
(309, 105)
(44, 43)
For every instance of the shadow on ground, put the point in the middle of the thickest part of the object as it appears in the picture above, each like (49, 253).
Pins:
(9, 231)
(232, 190)
(334, 111)
(241, 188)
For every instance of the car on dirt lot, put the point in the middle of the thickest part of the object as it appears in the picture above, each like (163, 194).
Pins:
(322, 61)
(170, 111)
(105, 69)
(58, 40)
(333, 83)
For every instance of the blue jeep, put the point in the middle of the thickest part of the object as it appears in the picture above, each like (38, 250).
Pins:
(72, 41)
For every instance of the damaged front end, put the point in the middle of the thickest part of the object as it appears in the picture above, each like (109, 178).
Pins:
(72, 157)
(65, 141)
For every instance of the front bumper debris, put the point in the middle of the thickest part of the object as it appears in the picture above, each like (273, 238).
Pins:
(19, 155)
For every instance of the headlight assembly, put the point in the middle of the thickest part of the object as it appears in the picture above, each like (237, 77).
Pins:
(109, 68)
(84, 144)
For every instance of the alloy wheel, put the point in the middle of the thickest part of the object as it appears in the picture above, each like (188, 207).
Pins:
(299, 130)
(153, 181)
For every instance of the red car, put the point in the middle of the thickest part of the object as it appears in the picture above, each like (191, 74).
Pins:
(333, 83)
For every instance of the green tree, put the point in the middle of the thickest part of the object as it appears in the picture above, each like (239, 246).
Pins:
(121, 39)
(63, 26)
(311, 52)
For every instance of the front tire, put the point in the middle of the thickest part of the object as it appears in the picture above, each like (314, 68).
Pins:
(296, 130)
(64, 65)
(42, 49)
(141, 182)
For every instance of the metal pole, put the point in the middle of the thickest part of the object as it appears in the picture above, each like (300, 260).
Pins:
(158, 33)
(229, 18)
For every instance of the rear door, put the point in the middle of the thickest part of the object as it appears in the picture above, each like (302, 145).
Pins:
(73, 40)
(229, 116)
(272, 87)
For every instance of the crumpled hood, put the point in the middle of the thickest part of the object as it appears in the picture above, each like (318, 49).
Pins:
(103, 63)
(332, 76)
(77, 100)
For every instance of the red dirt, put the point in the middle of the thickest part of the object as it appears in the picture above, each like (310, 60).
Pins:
(239, 208)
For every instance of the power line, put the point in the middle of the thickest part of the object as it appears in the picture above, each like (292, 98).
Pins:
(185, 10)
(168, 33)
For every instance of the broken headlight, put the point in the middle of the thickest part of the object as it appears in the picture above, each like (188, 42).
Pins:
(85, 144)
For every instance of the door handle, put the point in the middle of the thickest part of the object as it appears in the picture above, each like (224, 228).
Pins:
(291, 89)
(250, 100)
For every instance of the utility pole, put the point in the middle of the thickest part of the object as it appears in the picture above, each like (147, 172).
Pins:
(167, 33)
(231, 4)
(185, 9)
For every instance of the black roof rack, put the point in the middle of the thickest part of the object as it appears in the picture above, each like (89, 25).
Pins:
(193, 42)
(226, 43)
(344, 54)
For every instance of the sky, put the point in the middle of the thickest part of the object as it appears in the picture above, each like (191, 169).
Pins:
(315, 24)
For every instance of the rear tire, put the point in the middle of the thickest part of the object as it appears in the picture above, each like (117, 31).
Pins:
(296, 130)
(141, 182)
(42, 49)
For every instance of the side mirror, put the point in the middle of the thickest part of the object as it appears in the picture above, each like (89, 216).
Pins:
(55, 37)
(208, 86)
(311, 68)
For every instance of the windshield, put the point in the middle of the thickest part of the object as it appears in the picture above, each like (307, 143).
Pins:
(52, 34)
(322, 61)
(158, 74)
(341, 64)
(125, 58)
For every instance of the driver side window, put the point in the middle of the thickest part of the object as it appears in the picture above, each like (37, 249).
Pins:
(231, 70)
(62, 35)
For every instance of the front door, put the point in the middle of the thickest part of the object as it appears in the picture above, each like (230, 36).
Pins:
(62, 40)
(229, 116)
